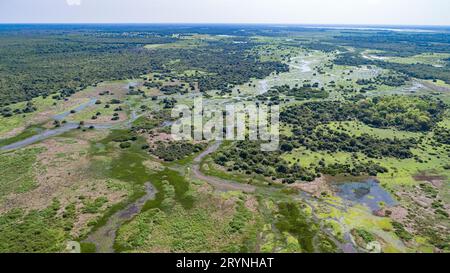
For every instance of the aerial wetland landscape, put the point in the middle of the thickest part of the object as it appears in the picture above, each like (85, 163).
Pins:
(87, 154)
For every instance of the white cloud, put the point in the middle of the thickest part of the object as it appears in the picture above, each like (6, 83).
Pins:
(73, 2)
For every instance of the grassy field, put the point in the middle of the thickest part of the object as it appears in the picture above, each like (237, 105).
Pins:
(400, 171)
(198, 229)
(17, 171)
(17, 123)
(356, 128)
(28, 132)
(435, 59)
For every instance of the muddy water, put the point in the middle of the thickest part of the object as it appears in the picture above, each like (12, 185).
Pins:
(368, 193)
(104, 237)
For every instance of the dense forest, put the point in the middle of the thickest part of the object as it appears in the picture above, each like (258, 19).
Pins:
(47, 63)
(226, 64)
(304, 92)
(176, 150)
(247, 157)
(405, 113)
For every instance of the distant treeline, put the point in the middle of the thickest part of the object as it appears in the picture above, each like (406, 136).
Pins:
(50, 61)
(419, 70)
(397, 44)
(394, 44)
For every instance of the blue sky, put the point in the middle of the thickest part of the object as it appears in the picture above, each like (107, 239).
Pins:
(403, 12)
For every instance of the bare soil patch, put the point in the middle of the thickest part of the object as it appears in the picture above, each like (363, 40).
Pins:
(316, 188)
(435, 180)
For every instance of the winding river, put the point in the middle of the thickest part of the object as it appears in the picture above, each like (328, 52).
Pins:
(217, 183)
(51, 132)
(65, 127)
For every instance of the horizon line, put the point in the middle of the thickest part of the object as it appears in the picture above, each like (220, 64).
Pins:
(220, 23)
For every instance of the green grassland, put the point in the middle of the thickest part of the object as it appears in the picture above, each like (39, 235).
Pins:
(357, 128)
(87, 114)
(177, 229)
(400, 171)
(8, 124)
(42, 231)
(18, 171)
(434, 59)
(49, 106)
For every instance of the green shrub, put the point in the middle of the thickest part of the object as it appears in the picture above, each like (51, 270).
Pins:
(92, 207)
(401, 232)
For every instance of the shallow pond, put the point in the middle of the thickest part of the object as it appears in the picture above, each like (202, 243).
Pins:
(368, 193)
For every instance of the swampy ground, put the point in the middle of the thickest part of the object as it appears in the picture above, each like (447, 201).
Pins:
(363, 160)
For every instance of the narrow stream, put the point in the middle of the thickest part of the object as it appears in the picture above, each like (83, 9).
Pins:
(104, 237)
